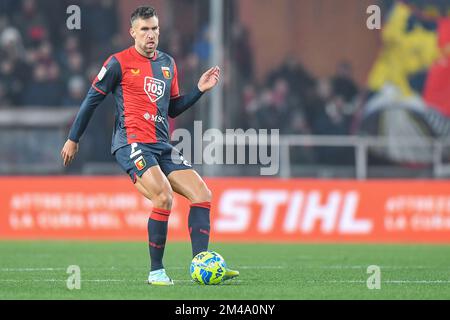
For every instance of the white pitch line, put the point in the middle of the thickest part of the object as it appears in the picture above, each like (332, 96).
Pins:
(30, 269)
(260, 267)
(114, 268)
(89, 280)
(65, 280)
(405, 281)
(236, 267)
(243, 267)
(381, 267)
(417, 281)
(385, 281)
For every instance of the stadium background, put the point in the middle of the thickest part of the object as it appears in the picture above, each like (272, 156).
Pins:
(363, 117)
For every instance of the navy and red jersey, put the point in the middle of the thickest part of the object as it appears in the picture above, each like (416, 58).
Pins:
(143, 89)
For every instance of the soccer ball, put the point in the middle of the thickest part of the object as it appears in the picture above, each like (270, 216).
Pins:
(208, 267)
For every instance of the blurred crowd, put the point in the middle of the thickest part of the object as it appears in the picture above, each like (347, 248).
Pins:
(289, 98)
(44, 64)
(294, 101)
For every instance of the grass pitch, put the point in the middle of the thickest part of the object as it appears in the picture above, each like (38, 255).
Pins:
(37, 270)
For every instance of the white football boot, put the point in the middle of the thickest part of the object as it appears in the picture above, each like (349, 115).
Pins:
(159, 278)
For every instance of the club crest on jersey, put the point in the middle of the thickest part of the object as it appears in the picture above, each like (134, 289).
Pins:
(140, 163)
(154, 88)
(135, 72)
(166, 72)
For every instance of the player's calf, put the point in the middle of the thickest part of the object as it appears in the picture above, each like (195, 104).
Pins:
(157, 235)
(199, 226)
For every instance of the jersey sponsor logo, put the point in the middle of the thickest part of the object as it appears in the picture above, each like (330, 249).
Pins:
(101, 74)
(154, 88)
(166, 72)
(140, 163)
(135, 72)
(153, 117)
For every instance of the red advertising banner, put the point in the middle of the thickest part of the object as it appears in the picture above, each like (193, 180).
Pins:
(259, 209)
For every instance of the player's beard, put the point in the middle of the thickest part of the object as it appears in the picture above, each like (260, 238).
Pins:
(150, 49)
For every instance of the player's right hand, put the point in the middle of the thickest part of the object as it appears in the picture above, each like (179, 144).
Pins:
(68, 151)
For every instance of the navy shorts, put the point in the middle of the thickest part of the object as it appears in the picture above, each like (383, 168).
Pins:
(136, 158)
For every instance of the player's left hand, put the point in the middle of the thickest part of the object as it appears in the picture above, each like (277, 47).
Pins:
(209, 79)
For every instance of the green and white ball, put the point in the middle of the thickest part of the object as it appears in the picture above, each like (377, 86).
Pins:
(208, 267)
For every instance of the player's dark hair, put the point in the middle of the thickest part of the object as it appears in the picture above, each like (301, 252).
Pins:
(143, 12)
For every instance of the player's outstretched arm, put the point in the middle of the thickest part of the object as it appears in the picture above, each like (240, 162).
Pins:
(90, 103)
(207, 81)
(104, 83)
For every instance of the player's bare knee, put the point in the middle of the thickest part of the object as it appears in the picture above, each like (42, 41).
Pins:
(163, 200)
(208, 195)
(203, 195)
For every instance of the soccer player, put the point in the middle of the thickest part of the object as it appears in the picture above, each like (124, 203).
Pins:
(143, 81)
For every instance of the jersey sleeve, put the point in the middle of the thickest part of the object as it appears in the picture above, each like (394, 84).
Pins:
(90, 103)
(104, 83)
(108, 77)
(174, 89)
(180, 104)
